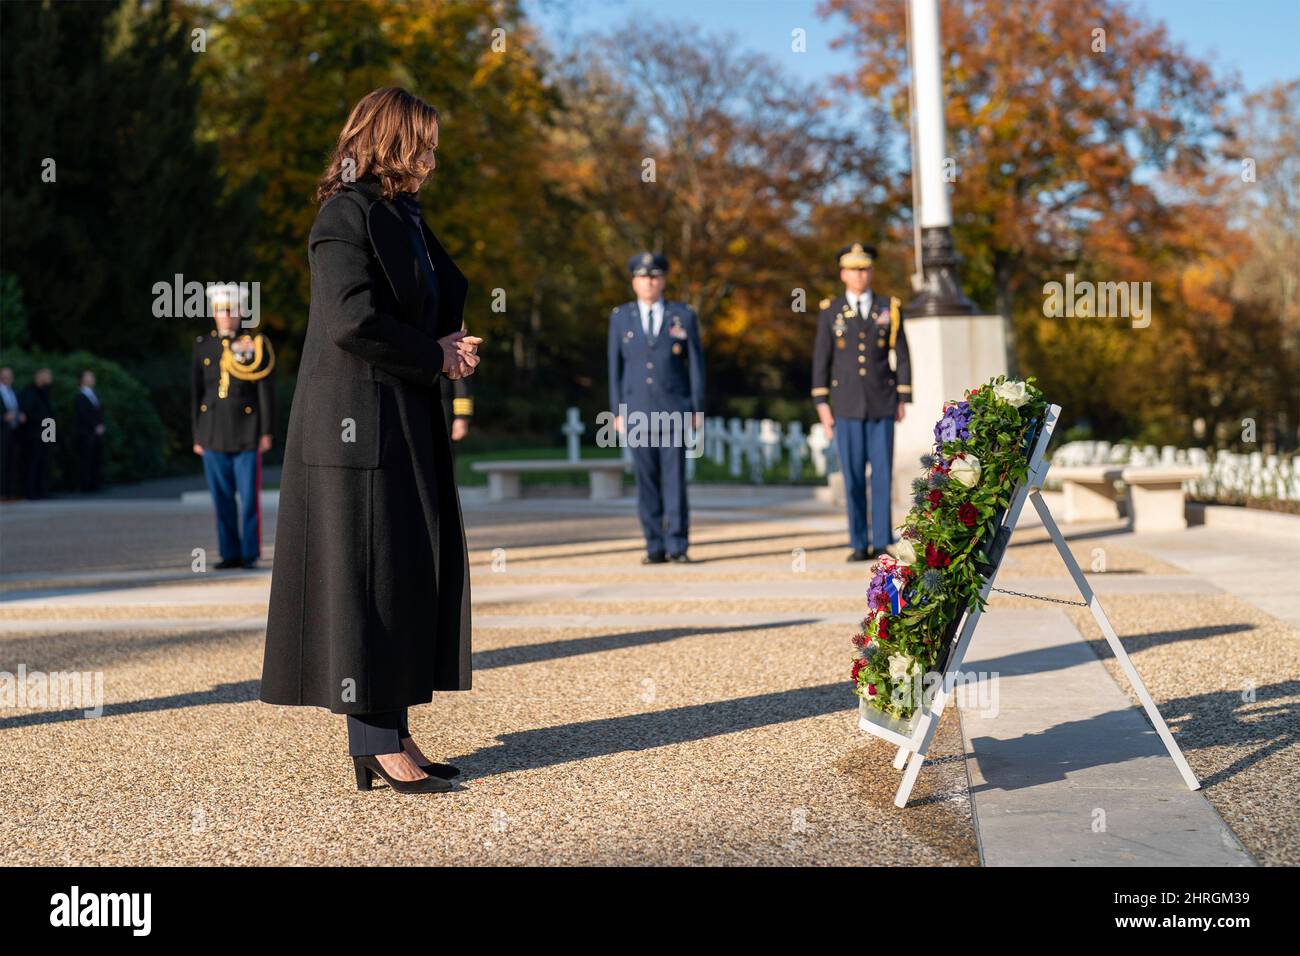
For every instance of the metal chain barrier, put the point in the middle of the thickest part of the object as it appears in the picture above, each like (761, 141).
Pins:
(1041, 597)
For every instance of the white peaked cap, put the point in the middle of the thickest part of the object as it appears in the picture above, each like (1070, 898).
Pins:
(226, 293)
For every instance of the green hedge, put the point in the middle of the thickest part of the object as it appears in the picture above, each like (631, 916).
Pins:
(135, 440)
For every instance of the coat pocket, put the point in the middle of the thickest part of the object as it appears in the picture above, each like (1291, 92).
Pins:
(341, 423)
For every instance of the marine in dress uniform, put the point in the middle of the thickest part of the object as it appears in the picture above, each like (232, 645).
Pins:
(859, 395)
(656, 364)
(457, 406)
(233, 419)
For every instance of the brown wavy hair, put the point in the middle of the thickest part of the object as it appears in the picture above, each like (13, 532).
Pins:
(385, 135)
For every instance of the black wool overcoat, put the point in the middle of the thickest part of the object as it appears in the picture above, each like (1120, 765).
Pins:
(370, 606)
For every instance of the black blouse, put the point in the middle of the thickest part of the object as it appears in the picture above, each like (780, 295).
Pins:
(410, 207)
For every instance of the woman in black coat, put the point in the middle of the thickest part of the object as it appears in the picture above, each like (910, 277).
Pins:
(370, 609)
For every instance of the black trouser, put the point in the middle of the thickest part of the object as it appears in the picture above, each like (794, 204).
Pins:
(8, 461)
(377, 733)
(92, 462)
(38, 470)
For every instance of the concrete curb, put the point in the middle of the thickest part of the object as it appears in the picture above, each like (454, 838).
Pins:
(1239, 519)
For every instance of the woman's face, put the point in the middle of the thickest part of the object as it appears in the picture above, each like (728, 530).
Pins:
(429, 157)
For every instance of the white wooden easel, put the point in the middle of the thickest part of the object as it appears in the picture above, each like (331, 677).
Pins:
(913, 737)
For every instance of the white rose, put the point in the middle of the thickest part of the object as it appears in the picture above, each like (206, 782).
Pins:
(906, 553)
(965, 470)
(900, 665)
(1013, 393)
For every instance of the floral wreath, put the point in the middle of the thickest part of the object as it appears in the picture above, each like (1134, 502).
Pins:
(916, 598)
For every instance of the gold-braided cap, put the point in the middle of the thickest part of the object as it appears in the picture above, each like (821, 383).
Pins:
(856, 258)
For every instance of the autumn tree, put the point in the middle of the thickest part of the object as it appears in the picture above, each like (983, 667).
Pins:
(1268, 139)
(681, 143)
(1084, 139)
(107, 189)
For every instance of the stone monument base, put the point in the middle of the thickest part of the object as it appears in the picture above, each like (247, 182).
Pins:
(949, 354)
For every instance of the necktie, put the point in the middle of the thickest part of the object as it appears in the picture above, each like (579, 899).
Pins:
(650, 331)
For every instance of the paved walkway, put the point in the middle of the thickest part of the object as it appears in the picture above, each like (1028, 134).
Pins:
(624, 714)
(1064, 771)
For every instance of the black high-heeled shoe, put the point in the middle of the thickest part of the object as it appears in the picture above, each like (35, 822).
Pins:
(367, 765)
(444, 770)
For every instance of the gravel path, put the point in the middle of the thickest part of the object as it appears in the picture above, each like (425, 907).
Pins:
(707, 744)
(697, 728)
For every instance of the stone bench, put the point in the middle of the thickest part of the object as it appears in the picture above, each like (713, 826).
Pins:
(1156, 500)
(605, 475)
(1090, 493)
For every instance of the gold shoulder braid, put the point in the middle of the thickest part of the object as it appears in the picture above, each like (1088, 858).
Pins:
(894, 319)
(262, 362)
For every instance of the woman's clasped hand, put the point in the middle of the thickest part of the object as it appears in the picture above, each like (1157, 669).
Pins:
(459, 354)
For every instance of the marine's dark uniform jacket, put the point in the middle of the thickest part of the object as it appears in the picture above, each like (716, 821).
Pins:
(457, 402)
(370, 604)
(851, 359)
(235, 422)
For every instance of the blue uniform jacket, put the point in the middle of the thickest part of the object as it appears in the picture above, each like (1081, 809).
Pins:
(666, 375)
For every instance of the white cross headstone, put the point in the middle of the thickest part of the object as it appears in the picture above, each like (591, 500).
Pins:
(769, 439)
(817, 445)
(753, 450)
(715, 440)
(573, 429)
(736, 443)
(795, 446)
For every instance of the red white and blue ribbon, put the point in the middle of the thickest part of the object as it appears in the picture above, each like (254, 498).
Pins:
(894, 585)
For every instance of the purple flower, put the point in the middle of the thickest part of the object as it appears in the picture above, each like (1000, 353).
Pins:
(955, 423)
(876, 596)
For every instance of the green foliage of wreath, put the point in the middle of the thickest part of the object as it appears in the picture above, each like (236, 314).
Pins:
(980, 456)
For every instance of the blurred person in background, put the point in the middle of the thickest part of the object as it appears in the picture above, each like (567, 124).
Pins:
(656, 370)
(11, 421)
(39, 432)
(861, 382)
(232, 415)
(90, 433)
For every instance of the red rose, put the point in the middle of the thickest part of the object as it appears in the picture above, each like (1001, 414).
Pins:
(935, 558)
(935, 497)
(968, 514)
(857, 666)
(871, 690)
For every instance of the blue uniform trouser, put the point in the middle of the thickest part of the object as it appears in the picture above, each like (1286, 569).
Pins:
(228, 472)
(661, 494)
(860, 441)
